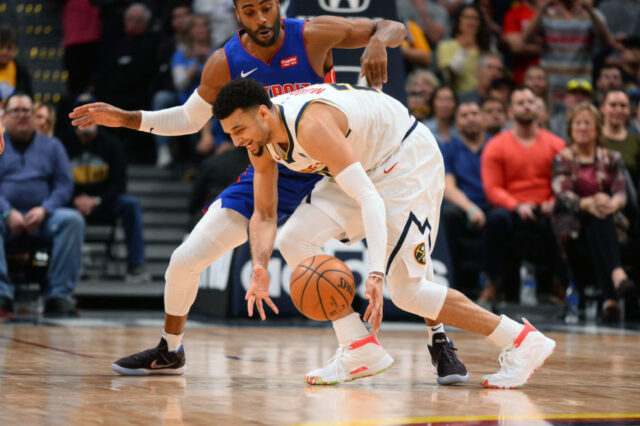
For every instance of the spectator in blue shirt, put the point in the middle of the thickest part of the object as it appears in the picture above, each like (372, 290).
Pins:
(463, 212)
(35, 184)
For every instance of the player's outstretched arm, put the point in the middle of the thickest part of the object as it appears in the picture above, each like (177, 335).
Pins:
(262, 231)
(326, 32)
(181, 120)
(321, 132)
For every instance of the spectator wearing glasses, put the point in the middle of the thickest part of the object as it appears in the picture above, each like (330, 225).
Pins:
(35, 184)
(490, 68)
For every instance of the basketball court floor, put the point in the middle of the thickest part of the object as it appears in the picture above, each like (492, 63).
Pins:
(59, 373)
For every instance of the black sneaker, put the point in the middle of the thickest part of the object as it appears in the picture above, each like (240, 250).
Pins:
(6, 306)
(152, 361)
(443, 357)
(59, 307)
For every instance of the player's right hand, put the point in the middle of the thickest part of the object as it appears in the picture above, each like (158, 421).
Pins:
(98, 113)
(373, 293)
(259, 291)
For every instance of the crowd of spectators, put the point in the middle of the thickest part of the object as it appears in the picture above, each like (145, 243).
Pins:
(537, 119)
(508, 88)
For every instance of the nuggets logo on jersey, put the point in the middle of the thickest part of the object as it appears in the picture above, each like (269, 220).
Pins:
(420, 254)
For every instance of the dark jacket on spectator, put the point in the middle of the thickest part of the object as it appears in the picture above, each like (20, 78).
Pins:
(98, 168)
(39, 175)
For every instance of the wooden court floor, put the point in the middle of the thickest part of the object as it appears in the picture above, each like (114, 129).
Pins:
(253, 375)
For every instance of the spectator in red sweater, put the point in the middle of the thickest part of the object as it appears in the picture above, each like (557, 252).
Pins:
(516, 175)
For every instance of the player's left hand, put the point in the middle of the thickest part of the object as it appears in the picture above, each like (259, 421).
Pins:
(374, 63)
(373, 293)
(259, 291)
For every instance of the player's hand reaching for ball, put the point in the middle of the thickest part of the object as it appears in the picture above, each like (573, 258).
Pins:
(373, 293)
(259, 291)
(99, 113)
(374, 63)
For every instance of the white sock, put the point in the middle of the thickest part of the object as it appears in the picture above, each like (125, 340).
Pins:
(349, 328)
(174, 341)
(433, 330)
(505, 333)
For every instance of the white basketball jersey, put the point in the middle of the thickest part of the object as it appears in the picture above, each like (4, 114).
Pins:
(377, 124)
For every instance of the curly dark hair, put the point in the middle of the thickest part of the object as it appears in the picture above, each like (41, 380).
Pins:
(243, 93)
(482, 37)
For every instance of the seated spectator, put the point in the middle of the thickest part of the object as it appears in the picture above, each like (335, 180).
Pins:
(566, 54)
(493, 116)
(421, 84)
(443, 105)
(535, 77)
(165, 92)
(516, 174)
(14, 77)
(578, 90)
(589, 185)
(616, 111)
(100, 175)
(501, 88)
(525, 54)
(35, 184)
(490, 68)
(609, 78)
(458, 58)
(464, 211)
(186, 69)
(44, 118)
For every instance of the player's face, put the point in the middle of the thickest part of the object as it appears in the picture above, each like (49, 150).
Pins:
(260, 19)
(246, 129)
(523, 106)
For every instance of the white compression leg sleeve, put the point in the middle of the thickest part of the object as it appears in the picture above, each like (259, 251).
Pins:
(417, 295)
(219, 231)
(305, 233)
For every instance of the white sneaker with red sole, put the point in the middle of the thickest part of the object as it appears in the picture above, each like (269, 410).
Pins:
(519, 361)
(361, 358)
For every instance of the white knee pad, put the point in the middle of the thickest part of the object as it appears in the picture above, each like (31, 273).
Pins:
(305, 233)
(415, 294)
(219, 231)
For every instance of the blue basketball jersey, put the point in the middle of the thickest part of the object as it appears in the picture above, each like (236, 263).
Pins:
(288, 70)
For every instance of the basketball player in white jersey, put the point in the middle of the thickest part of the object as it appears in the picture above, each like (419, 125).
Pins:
(387, 186)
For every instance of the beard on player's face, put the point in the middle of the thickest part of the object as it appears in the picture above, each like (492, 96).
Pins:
(255, 35)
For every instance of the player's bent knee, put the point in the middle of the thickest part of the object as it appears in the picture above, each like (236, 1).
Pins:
(292, 248)
(417, 295)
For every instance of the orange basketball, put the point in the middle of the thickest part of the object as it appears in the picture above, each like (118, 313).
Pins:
(322, 287)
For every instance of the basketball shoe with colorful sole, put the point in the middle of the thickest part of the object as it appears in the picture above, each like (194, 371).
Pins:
(519, 361)
(361, 358)
(158, 360)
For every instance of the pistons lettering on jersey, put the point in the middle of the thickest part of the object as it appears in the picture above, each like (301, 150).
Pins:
(289, 62)
(280, 89)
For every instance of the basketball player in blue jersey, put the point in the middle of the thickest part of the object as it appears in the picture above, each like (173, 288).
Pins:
(387, 186)
(261, 51)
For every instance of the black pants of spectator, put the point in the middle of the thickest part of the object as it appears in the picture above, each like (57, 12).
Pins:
(458, 231)
(81, 60)
(508, 240)
(598, 245)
